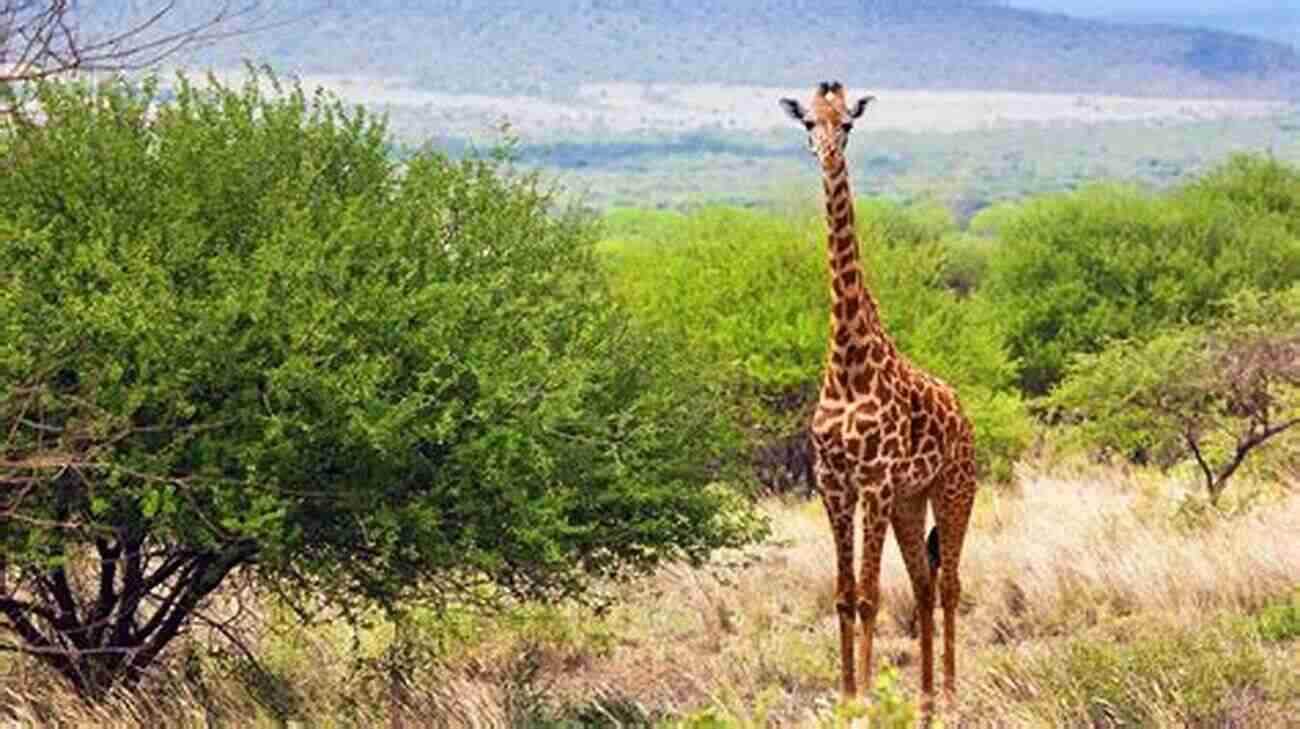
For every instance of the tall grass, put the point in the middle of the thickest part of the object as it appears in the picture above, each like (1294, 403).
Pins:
(1090, 599)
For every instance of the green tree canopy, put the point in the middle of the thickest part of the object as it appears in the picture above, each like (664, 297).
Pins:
(237, 334)
(1078, 269)
(748, 293)
(1213, 393)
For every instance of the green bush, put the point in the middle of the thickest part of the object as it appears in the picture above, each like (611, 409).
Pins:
(746, 294)
(236, 334)
(1078, 269)
(1213, 393)
(919, 223)
(1281, 622)
(1260, 185)
(735, 287)
(966, 262)
(889, 705)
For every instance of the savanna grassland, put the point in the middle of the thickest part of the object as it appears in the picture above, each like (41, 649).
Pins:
(1093, 596)
(444, 451)
(459, 376)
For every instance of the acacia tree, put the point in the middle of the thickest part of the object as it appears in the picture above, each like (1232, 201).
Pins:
(1215, 393)
(238, 336)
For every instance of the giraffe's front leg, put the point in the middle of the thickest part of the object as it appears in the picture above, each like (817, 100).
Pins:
(875, 524)
(841, 503)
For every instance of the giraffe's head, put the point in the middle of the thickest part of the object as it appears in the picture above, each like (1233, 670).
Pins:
(828, 121)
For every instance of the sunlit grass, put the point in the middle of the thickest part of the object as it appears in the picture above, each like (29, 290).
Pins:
(1088, 601)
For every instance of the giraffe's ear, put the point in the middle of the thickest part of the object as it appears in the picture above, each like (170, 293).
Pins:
(794, 109)
(861, 106)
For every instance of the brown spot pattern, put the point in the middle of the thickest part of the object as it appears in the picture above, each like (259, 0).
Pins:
(887, 436)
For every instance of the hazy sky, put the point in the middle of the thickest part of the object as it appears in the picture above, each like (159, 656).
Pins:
(1192, 7)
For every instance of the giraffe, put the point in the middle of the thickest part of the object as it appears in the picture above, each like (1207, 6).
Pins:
(888, 439)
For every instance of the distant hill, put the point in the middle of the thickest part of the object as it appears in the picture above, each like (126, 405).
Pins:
(550, 47)
(1278, 25)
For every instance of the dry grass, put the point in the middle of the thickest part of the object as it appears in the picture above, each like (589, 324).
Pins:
(1091, 599)
(1074, 556)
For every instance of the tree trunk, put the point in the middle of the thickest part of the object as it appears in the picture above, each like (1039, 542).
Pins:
(116, 637)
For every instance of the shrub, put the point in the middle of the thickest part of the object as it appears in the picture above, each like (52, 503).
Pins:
(919, 223)
(237, 335)
(1280, 622)
(966, 263)
(735, 287)
(889, 706)
(746, 294)
(1215, 392)
(1108, 262)
(1260, 185)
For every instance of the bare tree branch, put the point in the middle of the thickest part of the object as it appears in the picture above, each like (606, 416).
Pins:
(1195, 448)
(44, 38)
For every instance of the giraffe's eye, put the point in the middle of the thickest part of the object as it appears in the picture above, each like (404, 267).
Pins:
(846, 127)
(809, 125)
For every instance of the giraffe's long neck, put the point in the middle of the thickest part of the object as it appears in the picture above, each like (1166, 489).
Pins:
(858, 345)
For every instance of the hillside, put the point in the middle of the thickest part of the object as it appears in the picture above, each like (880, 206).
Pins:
(552, 48)
(1275, 24)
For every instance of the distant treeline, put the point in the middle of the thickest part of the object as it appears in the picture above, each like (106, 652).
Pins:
(579, 154)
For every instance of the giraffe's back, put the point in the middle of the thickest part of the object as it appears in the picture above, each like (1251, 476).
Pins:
(894, 439)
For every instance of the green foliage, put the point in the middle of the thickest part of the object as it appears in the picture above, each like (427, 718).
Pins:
(1109, 262)
(1261, 185)
(1280, 622)
(233, 327)
(966, 264)
(746, 295)
(1212, 392)
(1196, 513)
(917, 224)
(889, 705)
(707, 719)
(1113, 391)
(743, 291)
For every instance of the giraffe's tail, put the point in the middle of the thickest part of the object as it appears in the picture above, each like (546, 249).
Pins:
(932, 549)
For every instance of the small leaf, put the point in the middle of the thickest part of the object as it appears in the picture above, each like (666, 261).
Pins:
(150, 503)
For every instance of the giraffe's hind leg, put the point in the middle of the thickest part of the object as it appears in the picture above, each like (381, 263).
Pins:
(909, 531)
(955, 496)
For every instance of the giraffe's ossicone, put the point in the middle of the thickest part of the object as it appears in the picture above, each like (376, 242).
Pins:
(889, 440)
